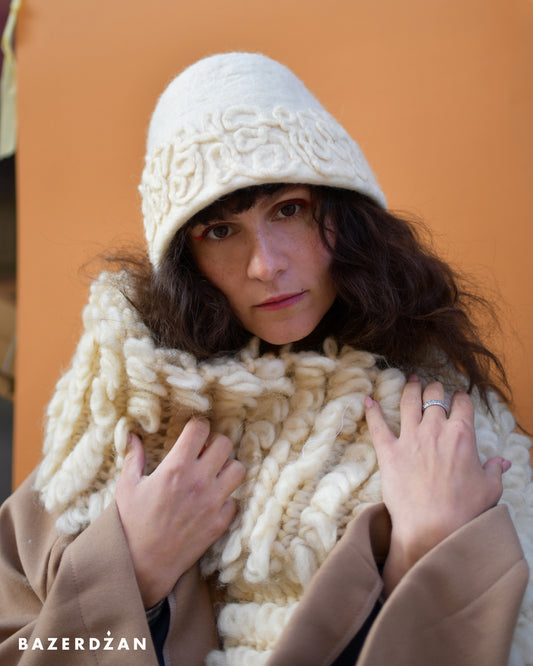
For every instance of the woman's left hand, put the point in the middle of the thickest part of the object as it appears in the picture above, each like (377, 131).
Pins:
(432, 479)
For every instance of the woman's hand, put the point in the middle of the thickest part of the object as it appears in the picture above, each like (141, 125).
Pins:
(171, 517)
(432, 478)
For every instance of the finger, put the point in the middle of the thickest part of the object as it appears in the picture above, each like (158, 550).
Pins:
(494, 468)
(434, 391)
(410, 404)
(461, 407)
(133, 468)
(190, 443)
(217, 450)
(497, 466)
(379, 430)
(232, 475)
(228, 511)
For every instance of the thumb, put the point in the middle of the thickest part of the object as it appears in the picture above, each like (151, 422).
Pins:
(133, 467)
(497, 466)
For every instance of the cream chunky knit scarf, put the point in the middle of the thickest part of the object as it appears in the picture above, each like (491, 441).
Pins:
(297, 421)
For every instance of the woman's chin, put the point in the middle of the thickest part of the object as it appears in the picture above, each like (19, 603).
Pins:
(279, 338)
(302, 340)
(311, 331)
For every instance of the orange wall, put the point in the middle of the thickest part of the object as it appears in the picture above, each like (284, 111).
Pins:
(438, 94)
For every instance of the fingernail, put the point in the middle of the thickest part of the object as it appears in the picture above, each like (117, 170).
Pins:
(369, 402)
(506, 464)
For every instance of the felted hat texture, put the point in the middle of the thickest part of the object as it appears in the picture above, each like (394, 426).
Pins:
(234, 120)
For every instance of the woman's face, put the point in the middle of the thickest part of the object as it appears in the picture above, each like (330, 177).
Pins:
(270, 263)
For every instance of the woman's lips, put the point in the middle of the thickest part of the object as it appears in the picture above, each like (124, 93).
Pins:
(281, 301)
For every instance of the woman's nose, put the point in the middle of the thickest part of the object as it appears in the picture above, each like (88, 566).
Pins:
(267, 258)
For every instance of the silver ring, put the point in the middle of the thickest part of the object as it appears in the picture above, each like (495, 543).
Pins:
(430, 403)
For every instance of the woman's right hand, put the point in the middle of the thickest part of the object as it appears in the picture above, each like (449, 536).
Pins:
(171, 517)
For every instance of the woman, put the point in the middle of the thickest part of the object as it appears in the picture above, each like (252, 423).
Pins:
(224, 465)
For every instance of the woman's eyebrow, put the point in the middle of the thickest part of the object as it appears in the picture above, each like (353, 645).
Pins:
(219, 212)
(280, 191)
(206, 217)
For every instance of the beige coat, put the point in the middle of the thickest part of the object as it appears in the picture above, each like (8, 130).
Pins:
(456, 607)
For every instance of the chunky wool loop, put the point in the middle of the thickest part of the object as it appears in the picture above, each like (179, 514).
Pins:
(298, 426)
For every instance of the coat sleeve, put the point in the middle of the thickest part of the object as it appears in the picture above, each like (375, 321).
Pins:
(458, 604)
(82, 592)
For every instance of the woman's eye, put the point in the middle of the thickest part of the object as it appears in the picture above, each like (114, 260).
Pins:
(291, 208)
(288, 209)
(217, 232)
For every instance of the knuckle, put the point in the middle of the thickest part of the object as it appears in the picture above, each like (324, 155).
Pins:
(200, 487)
(462, 429)
(174, 471)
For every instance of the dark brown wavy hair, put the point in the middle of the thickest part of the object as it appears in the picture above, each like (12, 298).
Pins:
(395, 296)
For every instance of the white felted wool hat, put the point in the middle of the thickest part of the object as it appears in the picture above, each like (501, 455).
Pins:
(234, 120)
